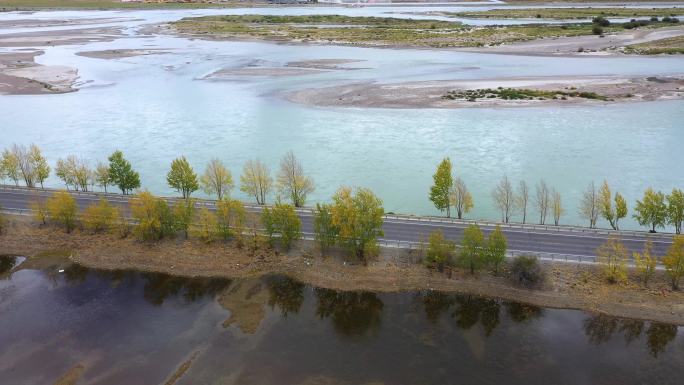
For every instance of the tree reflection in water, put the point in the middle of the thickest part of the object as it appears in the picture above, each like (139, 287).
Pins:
(353, 313)
(600, 328)
(285, 293)
(469, 310)
(7, 263)
(159, 287)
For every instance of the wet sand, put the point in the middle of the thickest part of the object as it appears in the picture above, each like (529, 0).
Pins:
(296, 68)
(429, 94)
(121, 53)
(62, 37)
(20, 75)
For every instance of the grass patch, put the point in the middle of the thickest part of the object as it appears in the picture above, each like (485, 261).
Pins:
(376, 31)
(569, 13)
(520, 94)
(670, 46)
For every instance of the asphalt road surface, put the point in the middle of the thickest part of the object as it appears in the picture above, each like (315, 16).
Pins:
(402, 231)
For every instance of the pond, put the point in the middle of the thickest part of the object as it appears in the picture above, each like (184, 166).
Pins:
(114, 327)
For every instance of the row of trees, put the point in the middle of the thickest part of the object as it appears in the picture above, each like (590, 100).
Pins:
(448, 191)
(655, 209)
(475, 252)
(613, 256)
(291, 182)
(22, 163)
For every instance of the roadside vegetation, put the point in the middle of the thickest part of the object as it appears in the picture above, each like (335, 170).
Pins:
(568, 13)
(376, 31)
(519, 94)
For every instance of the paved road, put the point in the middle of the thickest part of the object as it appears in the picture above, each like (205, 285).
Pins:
(402, 231)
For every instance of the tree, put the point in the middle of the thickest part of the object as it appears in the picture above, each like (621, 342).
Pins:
(557, 207)
(65, 170)
(100, 216)
(439, 192)
(504, 198)
(612, 255)
(291, 180)
(122, 174)
(651, 210)
(183, 214)
(473, 249)
(610, 213)
(675, 209)
(230, 215)
(645, 262)
(40, 164)
(206, 226)
(63, 209)
(10, 166)
(496, 248)
(325, 232)
(542, 200)
(522, 198)
(256, 180)
(217, 179)
(282, 219)
(439, 250)
(102, 176)
(359, 219)
(590, 205)
(182, 177)
(674, 261)
(461, 198)
(26, 165)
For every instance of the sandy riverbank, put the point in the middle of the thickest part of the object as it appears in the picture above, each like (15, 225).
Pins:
(59, 37)
(429, 94)
(110, 54)
(295, 68)
(21, 75)
(568, 285)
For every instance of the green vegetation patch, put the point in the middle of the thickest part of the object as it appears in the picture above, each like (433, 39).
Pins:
(670, 46)
(569, 13)
(374, 30)
(520, 94)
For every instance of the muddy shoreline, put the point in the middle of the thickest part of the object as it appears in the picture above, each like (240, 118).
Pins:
(21, 75)
(571, 286)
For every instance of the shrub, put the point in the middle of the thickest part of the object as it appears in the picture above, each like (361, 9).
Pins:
(206, 226)
(439, 250)
(63, 209)
(526, 271)
(2, 221)
(612, 255)
(99, 216)
(601, 21)
(597, 30)
(282, 220)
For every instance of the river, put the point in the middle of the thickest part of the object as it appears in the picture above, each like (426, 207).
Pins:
(158, 107)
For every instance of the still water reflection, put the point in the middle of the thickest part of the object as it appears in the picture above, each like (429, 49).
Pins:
(138, 328)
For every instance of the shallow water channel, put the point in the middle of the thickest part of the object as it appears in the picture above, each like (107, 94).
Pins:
(115, 327)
